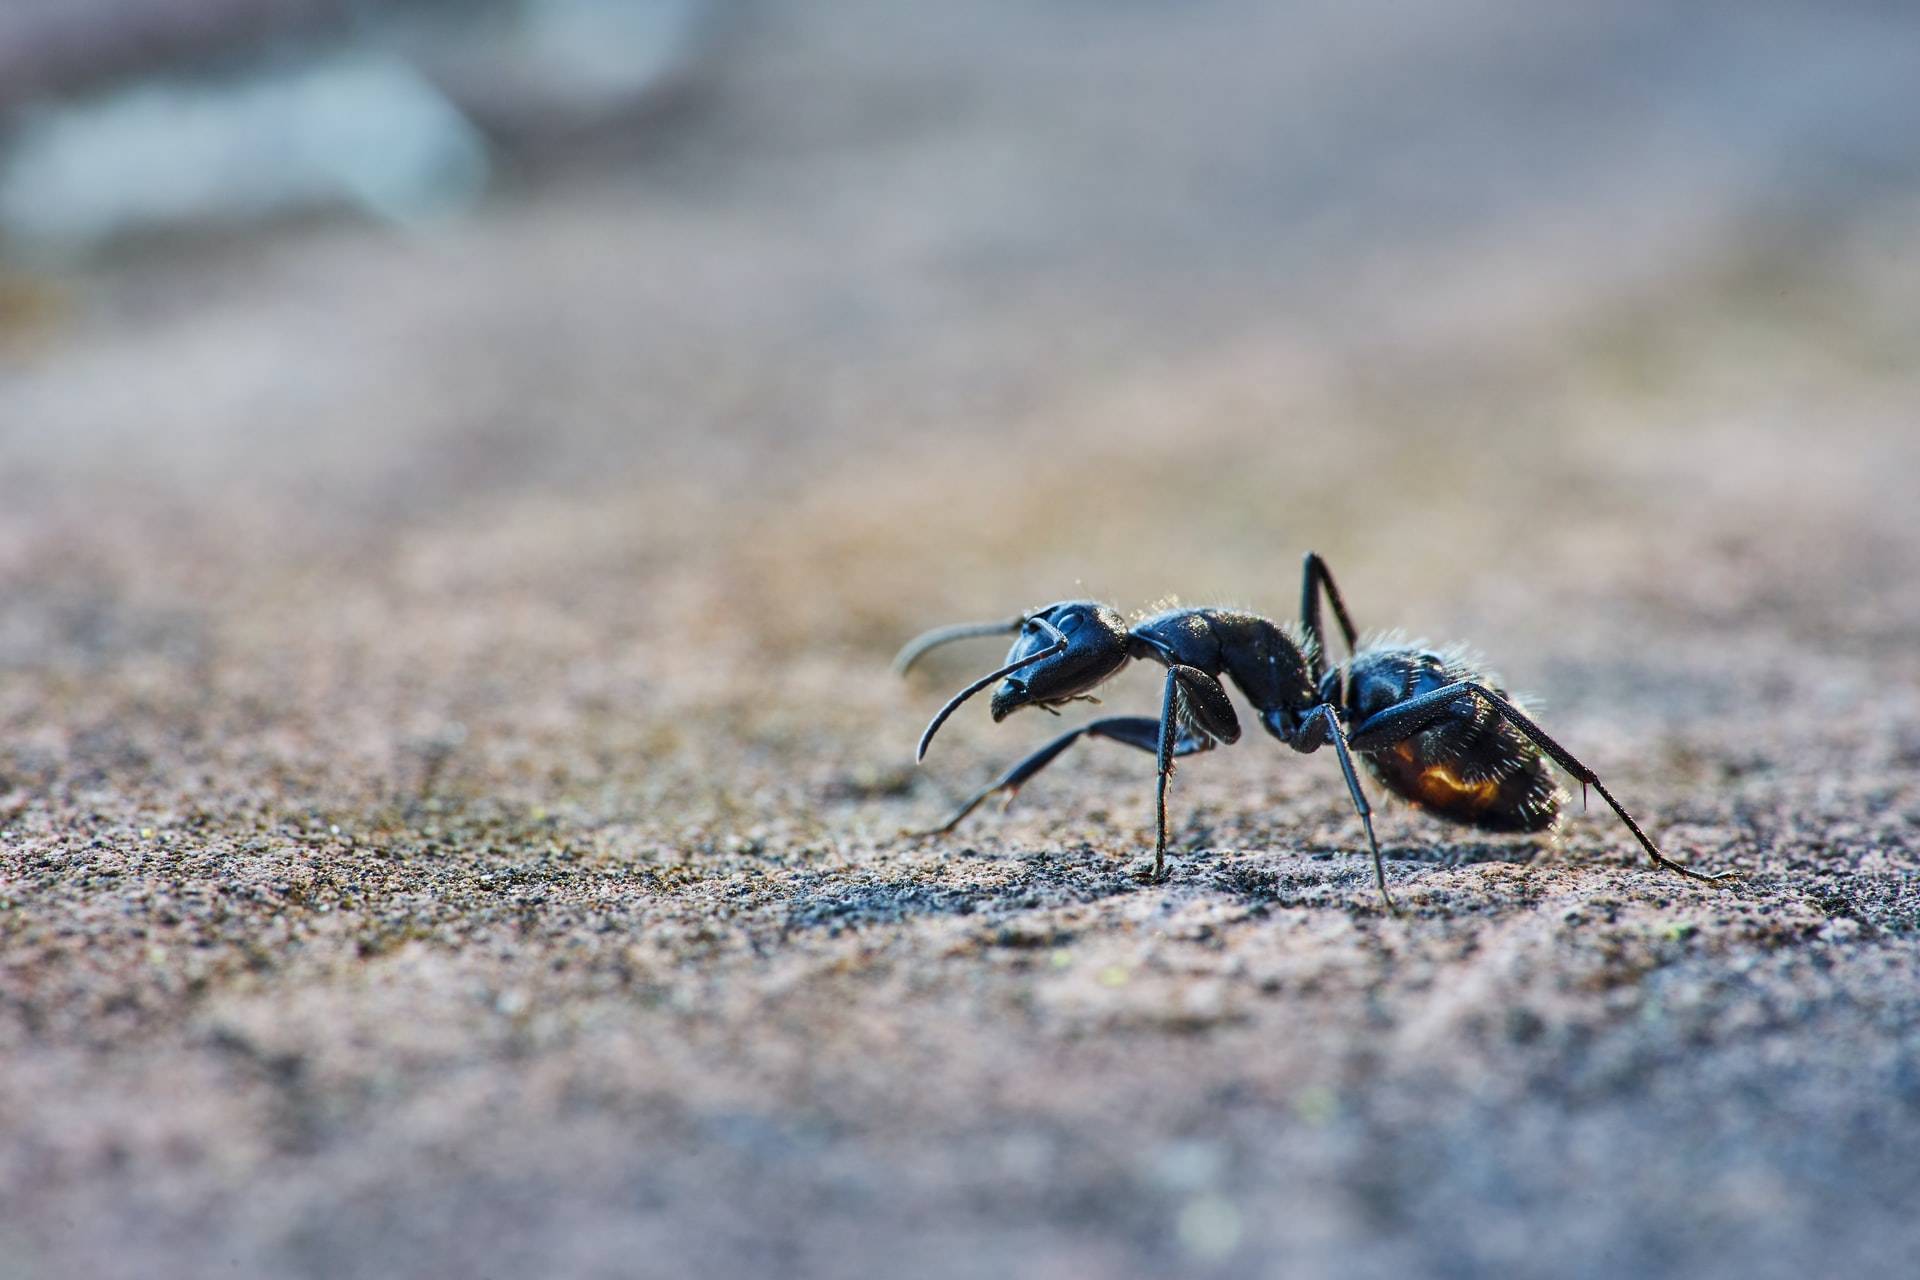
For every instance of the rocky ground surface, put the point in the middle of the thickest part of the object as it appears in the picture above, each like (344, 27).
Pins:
(452, 787)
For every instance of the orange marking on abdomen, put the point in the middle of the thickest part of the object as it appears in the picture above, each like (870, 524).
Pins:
(1442, 790)
(1438, 787)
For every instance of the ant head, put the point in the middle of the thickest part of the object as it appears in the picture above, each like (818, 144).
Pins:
(1086, 643)
(1062, 652)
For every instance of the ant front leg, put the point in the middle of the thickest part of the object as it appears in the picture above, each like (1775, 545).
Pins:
(1192, 695)
(1397, 724)
(1141, 732)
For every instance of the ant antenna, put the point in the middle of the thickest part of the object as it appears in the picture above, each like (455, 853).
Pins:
(1058, 646)
(920, 645)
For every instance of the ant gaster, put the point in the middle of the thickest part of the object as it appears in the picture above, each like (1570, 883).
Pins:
(1432, 728)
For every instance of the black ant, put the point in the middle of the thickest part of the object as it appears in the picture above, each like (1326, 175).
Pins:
(1432, 727)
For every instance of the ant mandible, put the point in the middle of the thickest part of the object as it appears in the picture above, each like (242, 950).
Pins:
(1431, 726)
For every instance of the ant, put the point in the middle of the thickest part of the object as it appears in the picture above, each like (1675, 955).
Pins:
(1432, 727)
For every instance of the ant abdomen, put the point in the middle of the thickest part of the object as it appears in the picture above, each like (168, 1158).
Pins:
(1471, 765)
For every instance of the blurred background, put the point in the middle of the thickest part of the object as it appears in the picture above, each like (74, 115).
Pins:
(301, 270)
(794, 328)
(438, 436)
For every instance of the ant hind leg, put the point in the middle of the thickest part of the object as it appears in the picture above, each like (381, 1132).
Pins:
(1315, 577)
(1398, 723)
(1322, 725)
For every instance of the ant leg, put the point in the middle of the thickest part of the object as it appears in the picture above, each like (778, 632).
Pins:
(1322, 724)
(1316, 577)
(1396, 724)
(1142, 732)
(1190, 694)
(1169, 726)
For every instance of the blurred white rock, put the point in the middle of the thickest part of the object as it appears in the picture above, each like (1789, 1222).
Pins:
(541, 65)
(359, 129)
(387, 115)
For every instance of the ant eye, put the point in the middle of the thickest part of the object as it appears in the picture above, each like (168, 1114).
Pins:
(1069, 624)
